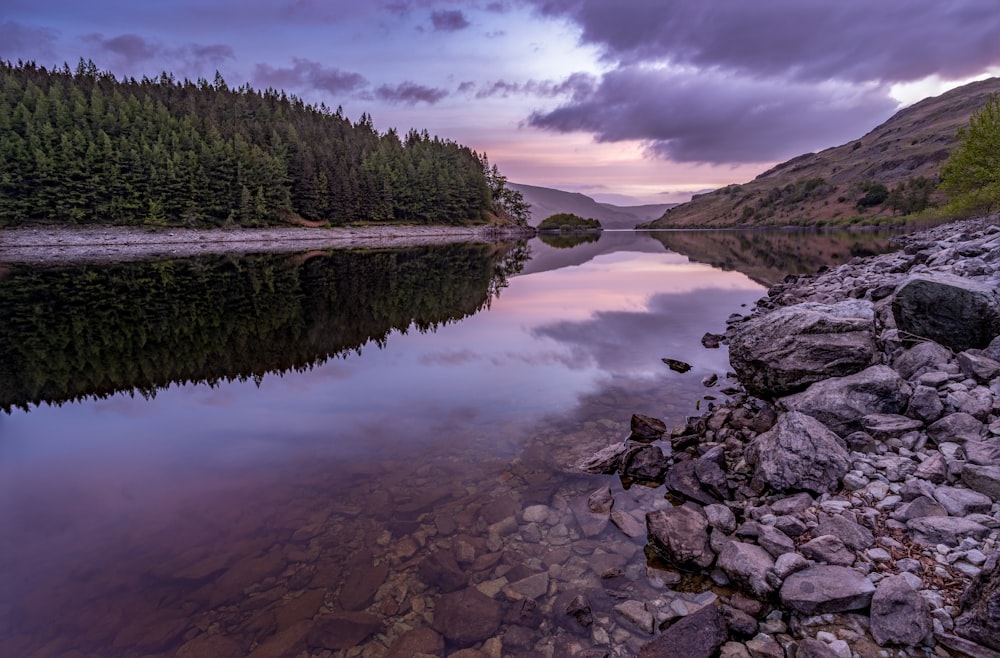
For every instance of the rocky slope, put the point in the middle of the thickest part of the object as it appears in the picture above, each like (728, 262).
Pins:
(827, 186)
(848, 492)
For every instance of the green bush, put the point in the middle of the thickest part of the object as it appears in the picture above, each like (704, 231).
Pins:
(971, 175)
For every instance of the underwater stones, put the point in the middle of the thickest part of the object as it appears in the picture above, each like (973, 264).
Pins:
(467, 616)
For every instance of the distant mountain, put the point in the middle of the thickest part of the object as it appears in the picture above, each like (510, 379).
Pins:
(824, 187)
(547, 201)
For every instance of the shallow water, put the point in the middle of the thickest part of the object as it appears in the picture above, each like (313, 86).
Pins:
(238, 450)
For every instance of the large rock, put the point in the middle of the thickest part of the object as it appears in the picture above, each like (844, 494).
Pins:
(955, 312)
(962, 502)
(984, 479)
(797, 453)
(647, 428)
(923, 356)
(948, 530)
(841, 402)
(680, 536)
(415, 641)
(958, 427)
(899, 615)
(747, 565)
(467, 616)
(786, 350)
(699, 635)
(855, 536)
(826, 588)
(980, 603)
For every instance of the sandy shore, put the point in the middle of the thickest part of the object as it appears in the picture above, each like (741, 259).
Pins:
(51, 245)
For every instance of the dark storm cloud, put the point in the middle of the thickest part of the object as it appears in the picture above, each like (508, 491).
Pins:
(855, 40)
(723, 81)
(449, 20)
(713, 118)
(410, 93)
(25, 42)
(307, 73)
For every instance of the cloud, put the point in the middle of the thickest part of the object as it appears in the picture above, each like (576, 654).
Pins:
(410, 93)
(732, 82)
(854, 40)
(25, 42)
(448, 20)
(215, 54)
(578, 85)
(716, 118)
(131, 46)
(307, 73)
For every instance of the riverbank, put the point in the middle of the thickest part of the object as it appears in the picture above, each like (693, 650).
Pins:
(847, 493)
(58, 244)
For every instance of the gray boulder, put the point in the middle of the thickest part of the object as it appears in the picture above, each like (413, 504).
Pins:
(962, 502)
(799, 452)
(855, 536)
(978, 366)
(899, 615)
(948, 530)
(829, 549)
(826, 588)
(680, 536)
(747, 565)
(984, 479)
(699, 635)
(925, 404)
(788, 349)
(841, 402)
(958, 427)
(647, 428)
(922, 356)
(980, 604)
(955, 312)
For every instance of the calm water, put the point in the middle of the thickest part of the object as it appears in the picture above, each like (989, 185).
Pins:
(216, 455)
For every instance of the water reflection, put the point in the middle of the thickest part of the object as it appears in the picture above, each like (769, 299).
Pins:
(767, 256)
(263, 516)
(100, 329)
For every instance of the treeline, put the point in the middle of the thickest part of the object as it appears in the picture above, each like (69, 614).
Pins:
(80, 146)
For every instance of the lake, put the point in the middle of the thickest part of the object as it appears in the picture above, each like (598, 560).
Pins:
(269, 454)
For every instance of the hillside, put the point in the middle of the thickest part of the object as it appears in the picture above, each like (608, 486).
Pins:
(826, 187)
(547, 201)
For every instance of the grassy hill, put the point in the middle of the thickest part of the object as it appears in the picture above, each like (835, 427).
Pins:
(546, 201)
(845, 183)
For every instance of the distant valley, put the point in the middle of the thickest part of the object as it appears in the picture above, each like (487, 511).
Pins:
(545, 201)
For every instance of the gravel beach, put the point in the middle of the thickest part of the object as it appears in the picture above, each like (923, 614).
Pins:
(52, 245)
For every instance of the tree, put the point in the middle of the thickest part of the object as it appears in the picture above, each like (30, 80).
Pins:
(971, 174)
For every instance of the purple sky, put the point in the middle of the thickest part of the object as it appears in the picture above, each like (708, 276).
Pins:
(645, 99)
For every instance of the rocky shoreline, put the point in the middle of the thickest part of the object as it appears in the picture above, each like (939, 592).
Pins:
(847, 492)
(59, 244)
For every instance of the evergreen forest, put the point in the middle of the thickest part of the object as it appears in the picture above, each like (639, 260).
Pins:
(80, 146)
